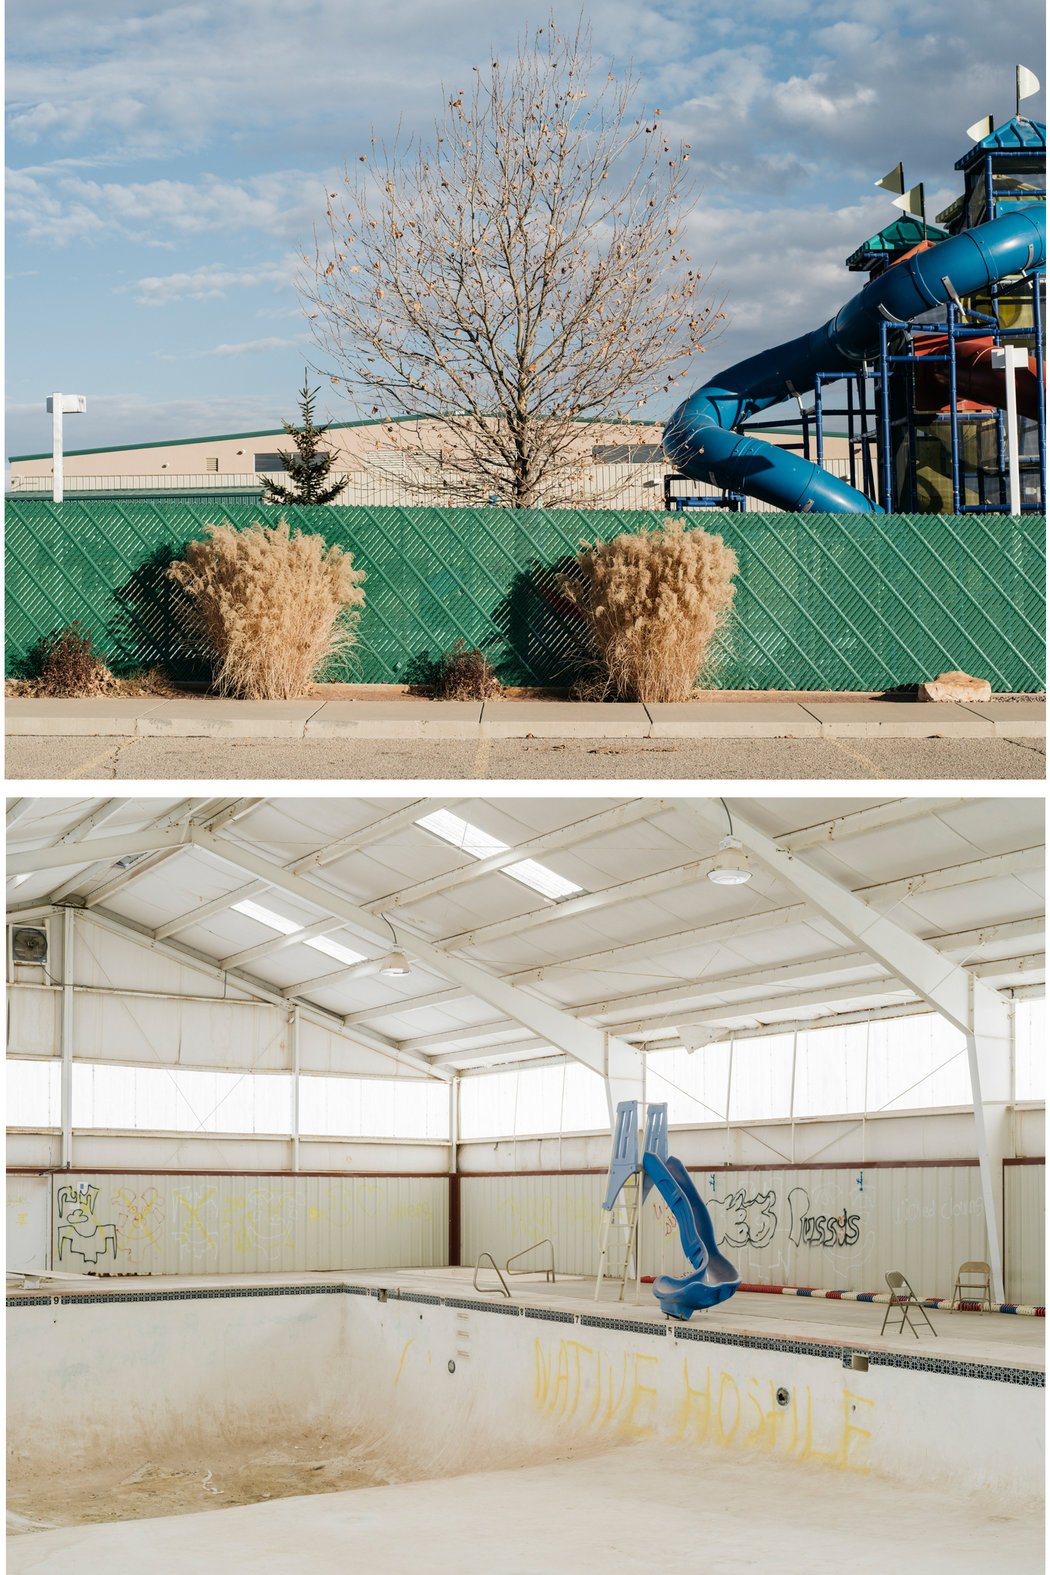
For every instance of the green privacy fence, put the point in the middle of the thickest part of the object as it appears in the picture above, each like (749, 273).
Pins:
(847, 602)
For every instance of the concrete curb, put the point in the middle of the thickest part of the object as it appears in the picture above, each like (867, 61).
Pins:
(473, 721)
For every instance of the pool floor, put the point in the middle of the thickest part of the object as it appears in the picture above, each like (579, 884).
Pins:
(634, 1509)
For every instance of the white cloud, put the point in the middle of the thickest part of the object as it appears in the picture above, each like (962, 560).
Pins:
(212, 281)
(67, 208)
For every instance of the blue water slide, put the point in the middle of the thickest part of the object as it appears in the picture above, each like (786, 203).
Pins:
(715, 1279)
(700, 441)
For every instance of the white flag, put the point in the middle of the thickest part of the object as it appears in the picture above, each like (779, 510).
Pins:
(1027, 83)
(894, 180)
(981, 129)
(913, 201)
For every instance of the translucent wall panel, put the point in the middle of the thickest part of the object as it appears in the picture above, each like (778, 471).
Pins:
(568, 1098)
(915, 1062)
(760, 1086)
(694, 1084)
(829, 1071)
(373, 1107)
(1030, 1021)
(176, 1100)
(33, 1093)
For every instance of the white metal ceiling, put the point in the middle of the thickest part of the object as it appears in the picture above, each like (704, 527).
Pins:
(648, 943)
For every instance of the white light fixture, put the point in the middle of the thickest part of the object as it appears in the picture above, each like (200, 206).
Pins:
(395, 966)
(61, 405)
(730, 866)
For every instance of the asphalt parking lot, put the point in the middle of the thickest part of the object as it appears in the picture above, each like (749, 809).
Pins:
(137, 759)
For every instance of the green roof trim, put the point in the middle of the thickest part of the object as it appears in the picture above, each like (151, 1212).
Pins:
(894, 240)
(209, 437)
(335, 426)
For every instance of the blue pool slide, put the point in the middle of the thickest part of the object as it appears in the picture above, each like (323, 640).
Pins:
(700, 441)
(715, 1279)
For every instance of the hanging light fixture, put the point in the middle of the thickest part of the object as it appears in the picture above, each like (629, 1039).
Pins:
(395, 965)
(730, 867)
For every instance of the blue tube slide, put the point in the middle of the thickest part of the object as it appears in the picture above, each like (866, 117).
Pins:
(699, 439)
(715, 1279)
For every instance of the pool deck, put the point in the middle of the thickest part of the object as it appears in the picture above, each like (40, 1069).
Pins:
(986, 1339)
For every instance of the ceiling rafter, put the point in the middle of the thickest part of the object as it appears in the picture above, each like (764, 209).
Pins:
(603, 1052)
(561, 837)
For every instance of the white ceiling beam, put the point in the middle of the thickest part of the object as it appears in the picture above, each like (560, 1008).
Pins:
(571, 836)
(208, 910)
(234, 809)
(409, 1003)
(186, 956)
(894, 812)
(588, 902)
(495, 1052)
(94, 850)
(280, 943)
(375, 831)
(963, 1000)
(762, 1006)
(18, 809)
(1023, 862)
(330, 853)
(602, 1052)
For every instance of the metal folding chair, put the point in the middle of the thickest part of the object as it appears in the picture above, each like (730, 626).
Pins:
(973, 1277)
(908, 1303)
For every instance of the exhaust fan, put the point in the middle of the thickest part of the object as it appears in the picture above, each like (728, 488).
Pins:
(29, 946)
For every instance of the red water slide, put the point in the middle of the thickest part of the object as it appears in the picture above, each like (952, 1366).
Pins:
(976, 379)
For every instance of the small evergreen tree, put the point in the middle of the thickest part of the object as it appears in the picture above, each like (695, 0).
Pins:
(308, 467)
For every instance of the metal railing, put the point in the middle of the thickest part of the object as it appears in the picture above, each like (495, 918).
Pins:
(546, 1269)
(490, 1290)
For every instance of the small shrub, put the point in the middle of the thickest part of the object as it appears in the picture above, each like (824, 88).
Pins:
(652, 601)
(274, 606)
(68, 666)
(462, 674)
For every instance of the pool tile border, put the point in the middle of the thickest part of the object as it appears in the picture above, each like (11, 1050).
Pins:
(916, 1362)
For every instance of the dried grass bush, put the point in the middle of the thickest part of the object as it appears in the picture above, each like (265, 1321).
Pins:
(462, 674)
(652, 601)
(275, 606)
(68, 666)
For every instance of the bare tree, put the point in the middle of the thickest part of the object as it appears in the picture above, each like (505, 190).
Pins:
(523, 274)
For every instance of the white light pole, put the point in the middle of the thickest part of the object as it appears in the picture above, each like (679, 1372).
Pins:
(1010, 359)
(61, 405)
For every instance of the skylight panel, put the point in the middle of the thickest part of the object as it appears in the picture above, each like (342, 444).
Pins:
(541, 879)
(469, 839)
(461, 834)
(273, 921)
(343, 954)
(284, 926)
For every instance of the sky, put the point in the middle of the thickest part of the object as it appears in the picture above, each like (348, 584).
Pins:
(167, 165)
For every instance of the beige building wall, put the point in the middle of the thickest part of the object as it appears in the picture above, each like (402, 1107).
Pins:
(377, 457)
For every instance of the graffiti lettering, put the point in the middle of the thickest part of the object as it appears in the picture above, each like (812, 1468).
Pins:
(81, 1235)
(741, 1221)
(820, 1230)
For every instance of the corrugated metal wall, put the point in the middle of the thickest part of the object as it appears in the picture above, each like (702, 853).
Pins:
(830, 1229)
(1025, 1207)
(28, 1214)
(163, 1224)
(834, 601)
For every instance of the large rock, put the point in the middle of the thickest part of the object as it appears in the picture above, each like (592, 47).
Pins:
(958, 687)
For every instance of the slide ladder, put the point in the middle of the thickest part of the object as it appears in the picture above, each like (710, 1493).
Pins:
(701, 439)
(619, 1237)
